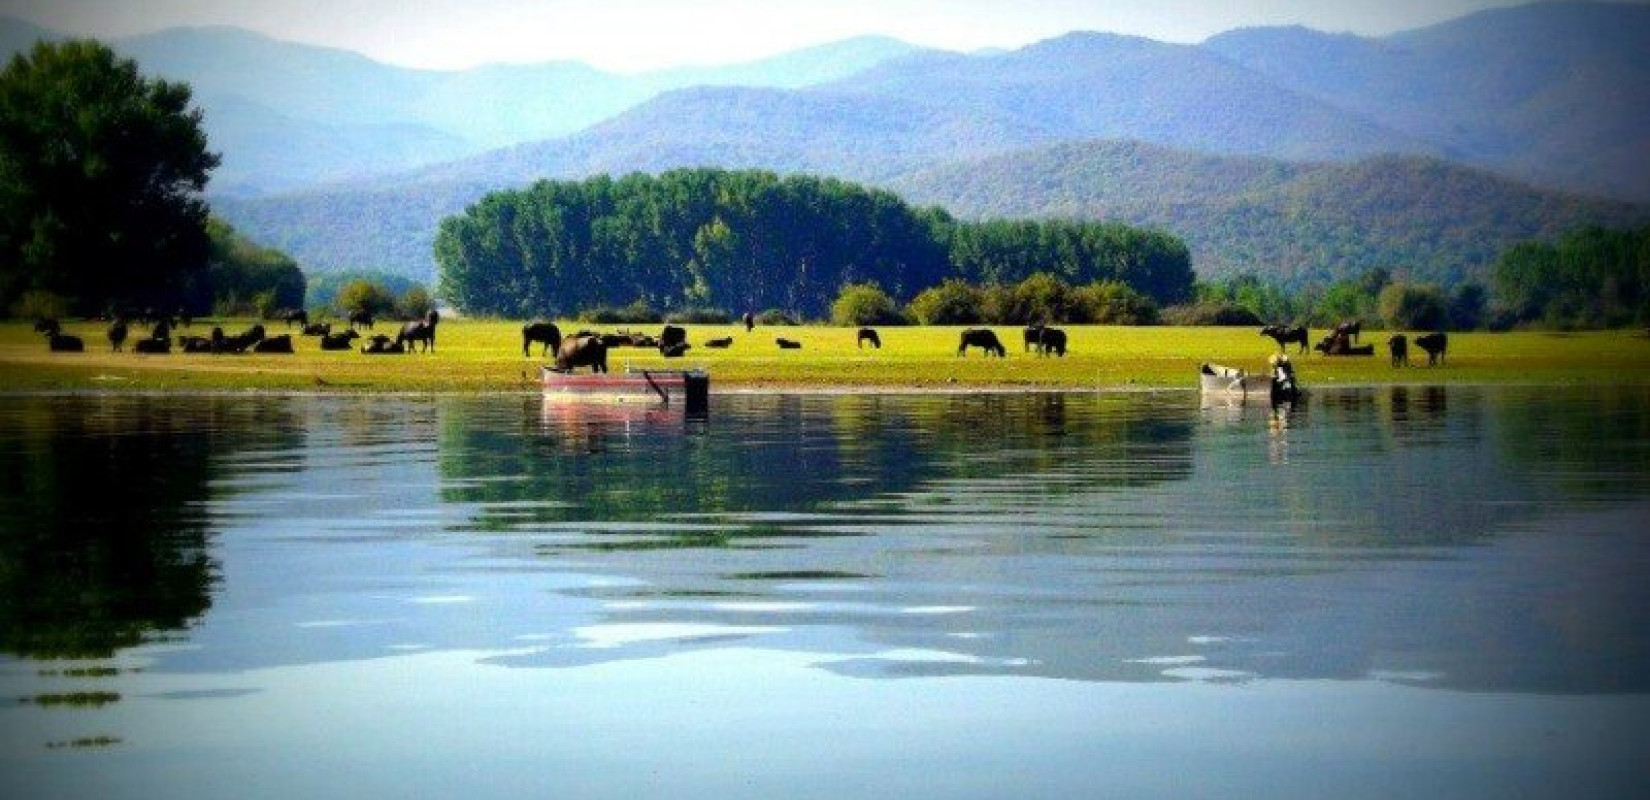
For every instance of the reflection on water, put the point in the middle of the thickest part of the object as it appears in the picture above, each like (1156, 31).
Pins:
(1480, 540)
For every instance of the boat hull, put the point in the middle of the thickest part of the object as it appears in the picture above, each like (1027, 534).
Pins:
(643, 386)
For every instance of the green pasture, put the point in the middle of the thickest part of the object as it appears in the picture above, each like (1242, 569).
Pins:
(485, 355)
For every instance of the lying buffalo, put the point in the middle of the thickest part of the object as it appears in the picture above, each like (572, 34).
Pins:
(545, 333)
(382, 345)
(787, 344)
(718, 344)
(274, 344)
(582, 351)
(982, 338)
(339, 341)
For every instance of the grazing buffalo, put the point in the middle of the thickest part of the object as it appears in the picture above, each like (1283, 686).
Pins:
(153, 346)
(300, 316)
(274, 344)
(1285, 335)
(338, 341)
(359, 317)
(582, 351)
(982, 338)
(868, 335)
(318, 329)
(422, 330)
(117, 335)
(64, 343)
(718, 344)
(1398, 347)
(1051, 339)
(1352, 328)
(381, 345)
(545, 333)
(1032, 335)
(1434, 344)
(787, 344)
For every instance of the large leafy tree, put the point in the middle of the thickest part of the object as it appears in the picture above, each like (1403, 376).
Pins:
(101, 175)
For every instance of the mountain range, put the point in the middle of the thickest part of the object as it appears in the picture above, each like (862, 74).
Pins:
(1282, 151)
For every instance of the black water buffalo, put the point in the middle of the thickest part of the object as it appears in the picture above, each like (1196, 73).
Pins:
(787, 344)
(300, 316)
(718, 344)
(545, 333)
(1352, 328)
(750, 322)
(362, 318)
(274, 344)
(1434, 344)
(152, 346)
(1051, 339)
(672, 336)
(422, 330)
(162, 330)
(338, 341)
(982, 338)
(64, 343)
(318, 329)
(1338, 343)
(48, 325)
(582, 351)
(1398, 347)
(381, 345)
(868, 335)
(239, 343)
(1284, 335)
(195, 344)
(117, 335)
(676, 350)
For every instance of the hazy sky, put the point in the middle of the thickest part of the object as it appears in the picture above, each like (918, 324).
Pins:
(629, 35)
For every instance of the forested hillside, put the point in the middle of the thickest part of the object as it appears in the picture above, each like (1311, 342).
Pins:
(1296, 222)
(754, 241)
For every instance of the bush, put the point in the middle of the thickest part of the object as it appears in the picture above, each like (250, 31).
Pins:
(1414, 307)
(637, 313)
(774, 316)
(414, 303)
(950, 303)
(1210, 313)
(699, 316)
(864, 304)
(1112, 303)
(40, 305)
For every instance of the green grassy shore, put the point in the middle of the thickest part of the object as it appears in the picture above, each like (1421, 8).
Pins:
(486, 356)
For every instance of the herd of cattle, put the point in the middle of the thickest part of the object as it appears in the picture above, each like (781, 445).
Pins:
(419, 333)
(589, 348)
(1343, 341)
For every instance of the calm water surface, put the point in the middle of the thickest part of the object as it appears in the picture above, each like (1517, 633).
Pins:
(1389, 593)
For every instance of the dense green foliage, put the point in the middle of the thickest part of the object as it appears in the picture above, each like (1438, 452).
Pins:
(101, 172)
(1591, 277)
(865, 304)
(754, 240)
(1039, 299)
(325, 286)
(246, 279)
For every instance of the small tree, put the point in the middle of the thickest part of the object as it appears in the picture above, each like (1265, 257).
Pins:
(364, 296)
(1416, 307)
(864, 304)
(414, 302)
(950, 303)
(1113, 303)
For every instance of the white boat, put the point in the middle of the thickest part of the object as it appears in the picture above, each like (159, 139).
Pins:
(1237, 384)
(688, 387)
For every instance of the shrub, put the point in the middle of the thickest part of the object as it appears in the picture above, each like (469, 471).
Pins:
(950, 303)
(774, 316)
(40, 305)
(864, 304)
(1112, 303)
(1415, 307)
(1209, 313)
(699, 316)
(637, 313)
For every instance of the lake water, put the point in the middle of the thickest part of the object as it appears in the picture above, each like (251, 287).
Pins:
(1396, 592)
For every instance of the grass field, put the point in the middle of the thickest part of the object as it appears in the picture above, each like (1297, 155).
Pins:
(485, 355)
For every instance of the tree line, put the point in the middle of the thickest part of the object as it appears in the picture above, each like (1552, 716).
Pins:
(752, 240)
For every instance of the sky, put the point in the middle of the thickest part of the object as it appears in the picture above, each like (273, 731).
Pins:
(637, 35)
